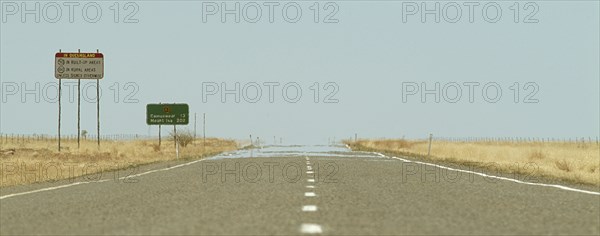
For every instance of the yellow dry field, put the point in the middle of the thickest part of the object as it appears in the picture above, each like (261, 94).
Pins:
(569, 161)
(24, 162)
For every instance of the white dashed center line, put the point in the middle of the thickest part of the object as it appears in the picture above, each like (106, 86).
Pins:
(309, 208)
(311, 229)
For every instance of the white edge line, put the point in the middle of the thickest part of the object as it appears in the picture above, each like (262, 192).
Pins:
(497, 177)
(50, 188)
(99, 181)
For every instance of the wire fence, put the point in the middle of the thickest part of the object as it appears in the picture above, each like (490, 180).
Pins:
(571, 140)
(579, 141)
(518, 139)
(27, 138)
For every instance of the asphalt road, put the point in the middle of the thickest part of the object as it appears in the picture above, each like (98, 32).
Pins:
(271, 191)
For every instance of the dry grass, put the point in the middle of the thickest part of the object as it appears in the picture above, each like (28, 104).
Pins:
(569, 161)
(564, 165)
(536, 155)
(38, 161)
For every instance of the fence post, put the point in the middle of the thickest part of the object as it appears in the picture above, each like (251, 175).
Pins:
(429, 149)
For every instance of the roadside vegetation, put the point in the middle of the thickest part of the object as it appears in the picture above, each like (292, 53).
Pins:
(569, 161)
(24, 161)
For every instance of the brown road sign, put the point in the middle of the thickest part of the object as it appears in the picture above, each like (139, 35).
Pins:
(74, 65)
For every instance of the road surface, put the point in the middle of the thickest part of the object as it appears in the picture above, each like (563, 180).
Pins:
(297, 190)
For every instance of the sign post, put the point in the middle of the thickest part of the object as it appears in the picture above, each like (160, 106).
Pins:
(204, 134)
(78, 65)
(78, 113)
(168, 114)
(176, 143)
(98, 106)
(59, 110)
(429, 148)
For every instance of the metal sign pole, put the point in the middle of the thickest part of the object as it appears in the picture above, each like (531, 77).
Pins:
(98, 110)
(78, 113)
(159, 134)
(78, 109)
(177, 151)
(176, 143)
(98, 107)
(204, 132)
(59, 109)
(429, 148)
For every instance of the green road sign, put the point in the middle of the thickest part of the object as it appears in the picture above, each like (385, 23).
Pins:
(167, 114)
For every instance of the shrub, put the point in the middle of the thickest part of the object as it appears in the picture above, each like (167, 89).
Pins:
(563, 165)
(184, 137)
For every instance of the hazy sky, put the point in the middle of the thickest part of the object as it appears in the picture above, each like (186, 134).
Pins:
(367, 65)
